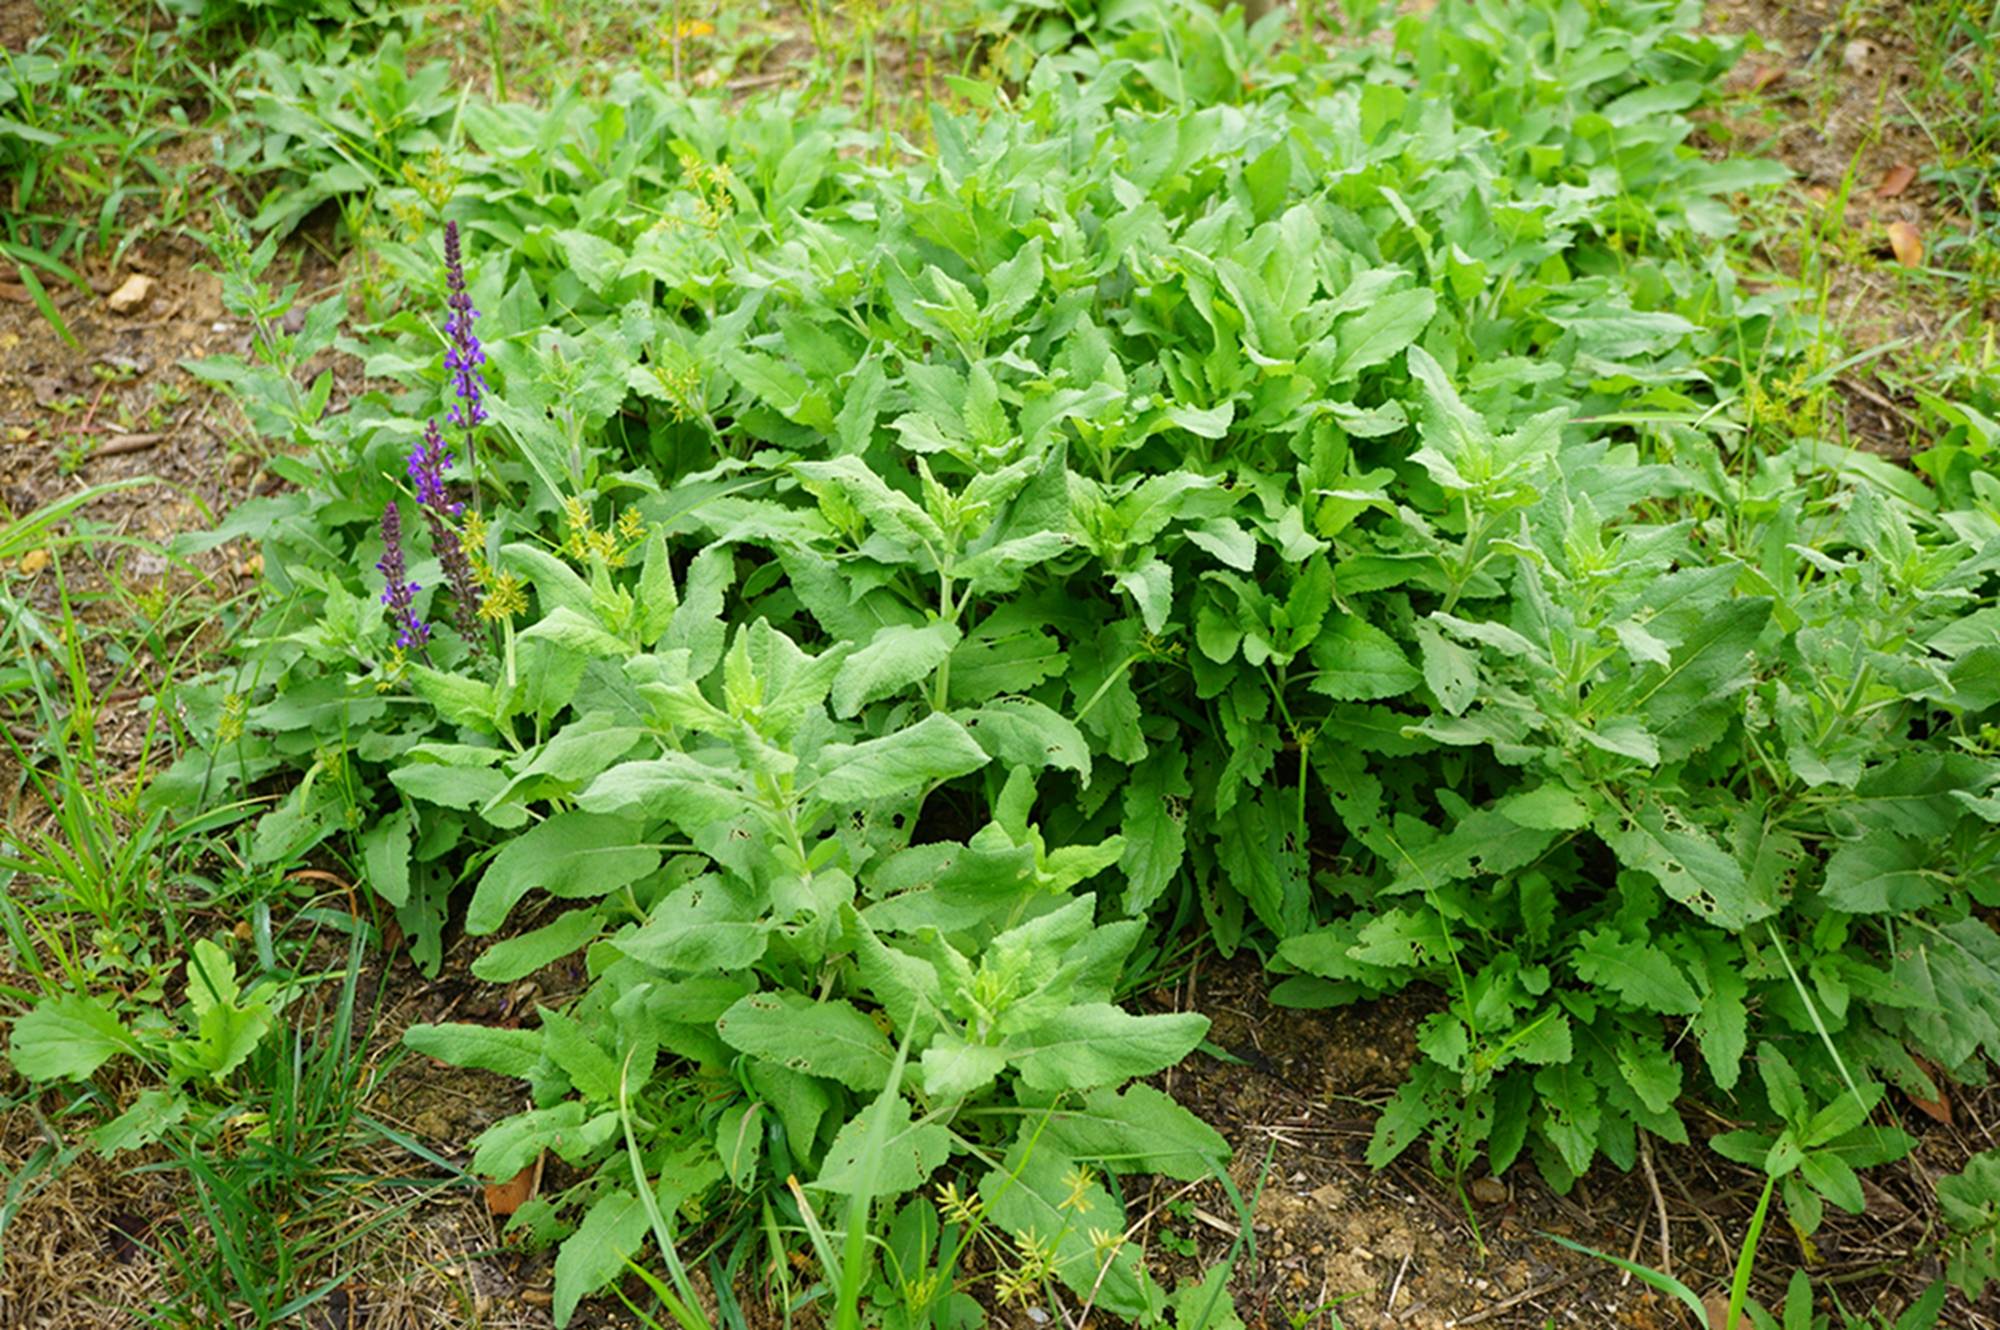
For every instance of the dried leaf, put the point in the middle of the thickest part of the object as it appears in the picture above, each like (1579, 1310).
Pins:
(1907, 242)
(1938, 1109)
(133, 295)
(1717, 1305)
(504, 1198)
(1765, 76)
(1895, 180)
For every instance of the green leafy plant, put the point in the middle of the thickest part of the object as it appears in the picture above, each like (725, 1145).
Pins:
(1314, 496)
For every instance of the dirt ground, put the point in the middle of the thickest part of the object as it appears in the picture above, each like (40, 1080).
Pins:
(1828, 88)
(1380, 1251)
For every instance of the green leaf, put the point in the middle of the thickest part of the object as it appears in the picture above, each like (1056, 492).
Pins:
(517, 957)
(576, 854)
(954, 1069)
(1687, 705)
(1452, 671)
(1021, 732)
(1549, 807)
(595, 1254)
(1569, 1114)
(1638, 972)
(590, 1069)
(1151, 586)
(1155, 827)
(66, 1039)
(934, 750)
(894, 659)
(150, 1117)
(1386, 327)
(1658, 839)
(1036, 1190)
(907, 1151)
(1358, 662)
(507, 1052)
(739, 1141)
(385, 856)
(831, 1039)
(1140, 1130)
(1098, 1044)
(1883, 873)
(712, 923)
(581, 633)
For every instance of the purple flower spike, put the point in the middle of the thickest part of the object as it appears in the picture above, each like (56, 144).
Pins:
(399, 593)
(427, 465)
(463, 355)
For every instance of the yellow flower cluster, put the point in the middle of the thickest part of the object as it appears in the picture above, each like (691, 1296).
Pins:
(713, 201)
(614, 544)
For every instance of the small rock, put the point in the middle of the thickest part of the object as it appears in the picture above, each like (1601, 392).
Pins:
(147, 564)
(1489, 1191)
(1858, 55)
(133, 295)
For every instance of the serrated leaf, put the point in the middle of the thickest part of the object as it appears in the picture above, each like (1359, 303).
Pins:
(1358, 662)
(66, 1039)
(1095, 1044)
(1658, 839)
(1883, 873)
(1640, 973)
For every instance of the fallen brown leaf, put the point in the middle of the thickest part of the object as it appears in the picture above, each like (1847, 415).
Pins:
(132, 295)
(1938, 1109)
(1717, 1305)
(504, 1198)
(1895, 180)
(1907, 242)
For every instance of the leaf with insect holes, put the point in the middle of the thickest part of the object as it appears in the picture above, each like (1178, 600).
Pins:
(831, 1039)
(1686, 861)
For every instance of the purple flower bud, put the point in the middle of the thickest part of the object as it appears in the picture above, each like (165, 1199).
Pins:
(399, 593)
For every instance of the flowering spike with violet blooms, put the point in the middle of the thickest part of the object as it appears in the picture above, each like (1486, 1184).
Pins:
(399, 594)
(463, 355)
(427, 466)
